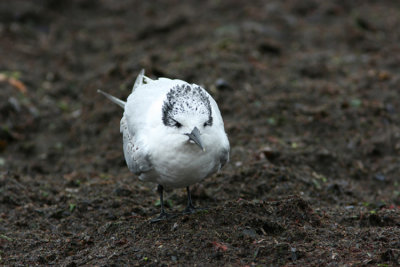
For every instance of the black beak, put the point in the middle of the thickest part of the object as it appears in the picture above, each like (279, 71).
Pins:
(195, 137)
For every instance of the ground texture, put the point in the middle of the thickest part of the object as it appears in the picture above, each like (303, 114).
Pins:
(309, 91)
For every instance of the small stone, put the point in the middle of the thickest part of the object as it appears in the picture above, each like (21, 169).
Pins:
(122, 192)
(222, 84)
(380, 177)
(293, 253)
(111, 216)
(249, 232)
(269, 47)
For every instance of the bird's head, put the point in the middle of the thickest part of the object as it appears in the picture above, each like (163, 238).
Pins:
(187, 111)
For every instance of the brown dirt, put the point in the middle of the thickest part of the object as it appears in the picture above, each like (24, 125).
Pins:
(309, 94)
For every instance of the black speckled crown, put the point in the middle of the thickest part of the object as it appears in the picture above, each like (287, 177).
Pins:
(184, 98)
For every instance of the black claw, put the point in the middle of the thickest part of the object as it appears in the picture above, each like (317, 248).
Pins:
(190, 208)
(162, 217)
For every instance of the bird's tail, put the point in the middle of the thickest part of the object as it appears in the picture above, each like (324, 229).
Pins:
(117, 101)
(141, 79)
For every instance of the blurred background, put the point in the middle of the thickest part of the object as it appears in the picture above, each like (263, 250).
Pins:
(309, 92)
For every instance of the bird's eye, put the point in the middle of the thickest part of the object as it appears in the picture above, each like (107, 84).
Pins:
(207, 123)
(177, 124)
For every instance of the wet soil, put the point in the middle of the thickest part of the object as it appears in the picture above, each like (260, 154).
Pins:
(309, 91)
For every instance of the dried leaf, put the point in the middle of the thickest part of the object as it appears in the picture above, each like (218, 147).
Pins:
(14, 82)
(219, 246)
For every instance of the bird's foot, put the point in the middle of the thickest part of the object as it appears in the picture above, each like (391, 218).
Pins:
(192, 209)
(162, 217)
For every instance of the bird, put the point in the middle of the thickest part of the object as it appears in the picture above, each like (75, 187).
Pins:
(173, 135)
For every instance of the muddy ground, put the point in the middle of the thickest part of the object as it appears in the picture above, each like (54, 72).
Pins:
(309, 91)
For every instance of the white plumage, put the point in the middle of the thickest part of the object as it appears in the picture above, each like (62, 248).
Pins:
(173, 134)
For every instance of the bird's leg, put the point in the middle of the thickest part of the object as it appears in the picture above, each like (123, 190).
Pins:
(163, 215)
(160, 190)
(189, 208)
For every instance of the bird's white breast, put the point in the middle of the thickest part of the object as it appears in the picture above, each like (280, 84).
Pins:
(179, 163)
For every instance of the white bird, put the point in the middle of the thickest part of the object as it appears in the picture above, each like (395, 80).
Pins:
(173, 134)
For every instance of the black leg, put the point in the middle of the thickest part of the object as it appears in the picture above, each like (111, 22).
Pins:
(189, 208)
(160, 190)
(163, 215)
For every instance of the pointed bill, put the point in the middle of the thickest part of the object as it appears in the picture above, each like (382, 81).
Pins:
(195, 137)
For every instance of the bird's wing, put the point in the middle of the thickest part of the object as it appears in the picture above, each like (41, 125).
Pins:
(219, 123)
(224, 157)
(115, 100)
(141, 79)
(135, 156)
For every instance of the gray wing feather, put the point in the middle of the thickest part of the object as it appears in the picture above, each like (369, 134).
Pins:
(224, 157)
(137, 161)
(117, 101)
(141, 79)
